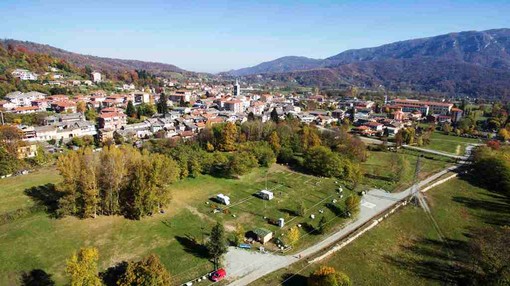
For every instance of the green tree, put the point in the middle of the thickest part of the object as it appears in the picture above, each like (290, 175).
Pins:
(9, 162)
(274, 116)
(322, 227)
(112, 174)
(147, 272)
(82, 268)
(328, 276)
(352, 204)
(162, 104)
(130, 109)
(241, 163)
(217, 244)
(91, 114)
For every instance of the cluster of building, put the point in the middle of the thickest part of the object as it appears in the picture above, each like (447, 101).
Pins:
(399, 113)
(195, 105)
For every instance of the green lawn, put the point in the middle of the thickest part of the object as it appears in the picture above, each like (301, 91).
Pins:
(405, 249)
(12, 189)
(449, 143)
(378, 169)
(38, 241)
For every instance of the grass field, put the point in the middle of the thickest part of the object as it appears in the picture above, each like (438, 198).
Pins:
(378, 170)
(38, 241)
(449, 143)
(405, 249)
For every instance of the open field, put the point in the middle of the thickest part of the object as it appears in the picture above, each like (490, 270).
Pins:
(449, 143)
(38, 241)
(405, 249)
(12, 189)
(378, 169)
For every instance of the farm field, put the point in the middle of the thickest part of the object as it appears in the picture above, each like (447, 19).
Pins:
(38, 241)
(405, 248)
(449, 143)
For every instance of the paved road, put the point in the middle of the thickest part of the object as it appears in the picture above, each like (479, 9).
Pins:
(248, 266)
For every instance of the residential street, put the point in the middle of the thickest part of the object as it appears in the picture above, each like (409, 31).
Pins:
(248, 266)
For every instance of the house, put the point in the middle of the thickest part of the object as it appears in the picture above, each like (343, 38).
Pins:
(96, 76)
(112, 120)
(140, 97)
(24, 99)
(456, 114)
(235, 105)
(374, 126)
(180, 96)
(63, 106)
(23, 74)
(25, 109)
(27, 151)
(263, 235)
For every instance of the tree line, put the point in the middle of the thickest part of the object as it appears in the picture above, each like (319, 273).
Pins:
(117, 181)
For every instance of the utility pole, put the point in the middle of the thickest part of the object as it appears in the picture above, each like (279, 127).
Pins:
(415, 188)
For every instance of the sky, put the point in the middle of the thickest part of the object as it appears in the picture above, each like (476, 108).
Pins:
(215, 36)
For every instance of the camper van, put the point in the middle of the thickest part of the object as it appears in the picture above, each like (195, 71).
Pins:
(223, 199)
(266, 195)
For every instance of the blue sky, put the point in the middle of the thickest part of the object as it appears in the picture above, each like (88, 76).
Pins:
(214, 36)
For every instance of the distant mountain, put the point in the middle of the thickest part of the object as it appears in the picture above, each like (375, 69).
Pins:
(96, 63)
(285, 64)
(472, 63)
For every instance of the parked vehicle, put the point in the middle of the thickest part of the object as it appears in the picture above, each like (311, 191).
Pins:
(217, 275)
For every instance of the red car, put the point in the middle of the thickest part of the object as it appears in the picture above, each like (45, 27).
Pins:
(218, 275)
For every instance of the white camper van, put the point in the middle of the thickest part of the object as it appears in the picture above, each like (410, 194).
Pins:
(266, 195)
(223, 199)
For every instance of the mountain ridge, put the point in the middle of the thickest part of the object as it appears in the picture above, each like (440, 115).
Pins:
(94, 62)
(485, 55)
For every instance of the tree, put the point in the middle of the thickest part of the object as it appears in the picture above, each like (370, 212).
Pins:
(251, 116)
(82, 268)
(162, 104)
(293, 235)
(130, 109)
(80, 106)
(112, 173)
(274, 116)
(322, 225)
(228, 137)
(352, 204)
(504, 134)
(88, 188)
(301, 209)
(328, 276)
(241, 163)
(91, 114)
(239, 234)
(147, 272)
(217, 244)
(274, 141)
(320, 160)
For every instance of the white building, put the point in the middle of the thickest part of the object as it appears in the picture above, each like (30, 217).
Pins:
(24, 74)
(96, 76)
(237, 89)
(24, 99)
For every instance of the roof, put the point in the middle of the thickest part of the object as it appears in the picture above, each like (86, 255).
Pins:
(262, 232)
(26, 108)
(111, 114)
